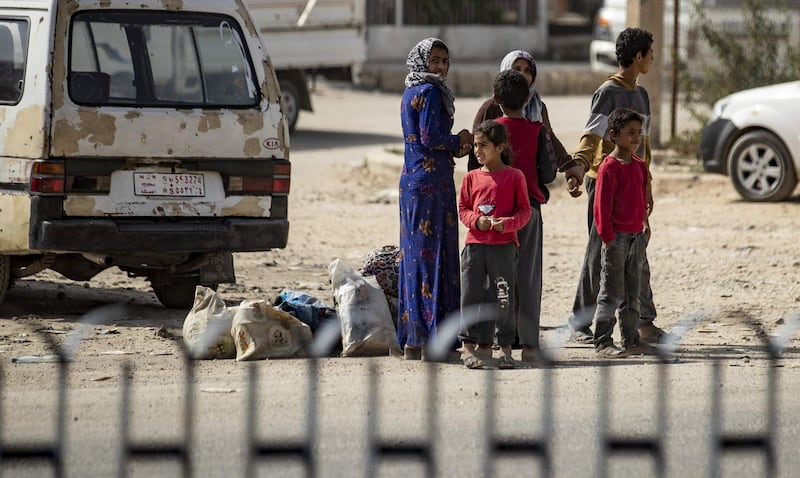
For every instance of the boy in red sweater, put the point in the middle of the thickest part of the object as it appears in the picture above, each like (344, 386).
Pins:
(620, 215)
(531, 148)
(493, 204)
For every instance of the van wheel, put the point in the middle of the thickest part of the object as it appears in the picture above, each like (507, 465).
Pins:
(5, 276)
(291, 102)
(178, 293)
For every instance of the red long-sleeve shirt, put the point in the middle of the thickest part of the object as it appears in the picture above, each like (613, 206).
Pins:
(620, 198)
(531, 149)
(502, 194)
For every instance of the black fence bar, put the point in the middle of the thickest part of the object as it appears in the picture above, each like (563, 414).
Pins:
(612, 444)
(51, 453)
(518, 447)
(131, 451)
(723, 443)
(301, 450)
(379, 448)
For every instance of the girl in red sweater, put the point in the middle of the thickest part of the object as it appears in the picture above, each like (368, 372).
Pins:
(493, 204)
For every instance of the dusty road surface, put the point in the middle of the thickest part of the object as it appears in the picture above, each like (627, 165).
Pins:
(710, 254)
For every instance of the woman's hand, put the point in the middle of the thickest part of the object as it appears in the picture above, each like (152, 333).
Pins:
(465, 143)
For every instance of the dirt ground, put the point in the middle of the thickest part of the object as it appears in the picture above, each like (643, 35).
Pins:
(710, 254)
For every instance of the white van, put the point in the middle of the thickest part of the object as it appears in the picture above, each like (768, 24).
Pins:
(142, 135)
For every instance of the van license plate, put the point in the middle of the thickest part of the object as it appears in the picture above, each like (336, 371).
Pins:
(168, 184)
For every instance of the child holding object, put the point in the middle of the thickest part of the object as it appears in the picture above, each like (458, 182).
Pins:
(620, 215)
(493, 204)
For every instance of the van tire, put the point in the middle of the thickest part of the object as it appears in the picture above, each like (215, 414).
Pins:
(179, 292)
(291, 102)
(5, 275)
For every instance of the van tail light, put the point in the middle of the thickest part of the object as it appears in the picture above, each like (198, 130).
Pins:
(281, 175)
(277, 184)
(47, 178)
(280, 186)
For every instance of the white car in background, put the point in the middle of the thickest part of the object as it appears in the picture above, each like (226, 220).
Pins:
(611, 20)
(752, 137)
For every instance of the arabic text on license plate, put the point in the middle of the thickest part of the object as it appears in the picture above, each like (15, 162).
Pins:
(168, 184)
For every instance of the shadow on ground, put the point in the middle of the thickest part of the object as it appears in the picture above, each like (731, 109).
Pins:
(309, 139)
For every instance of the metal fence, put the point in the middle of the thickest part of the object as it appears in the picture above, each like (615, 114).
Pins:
(423, 449)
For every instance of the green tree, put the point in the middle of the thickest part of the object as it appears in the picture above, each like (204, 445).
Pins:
(758, 55)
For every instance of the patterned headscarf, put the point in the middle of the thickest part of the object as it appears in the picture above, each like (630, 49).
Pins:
(417, 63)
(533, 110)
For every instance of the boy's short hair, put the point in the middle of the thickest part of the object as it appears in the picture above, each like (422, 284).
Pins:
(511, 89)
(622, 116)
(630, 42)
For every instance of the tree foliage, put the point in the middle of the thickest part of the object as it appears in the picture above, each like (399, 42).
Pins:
(758, 55)
(733, 59)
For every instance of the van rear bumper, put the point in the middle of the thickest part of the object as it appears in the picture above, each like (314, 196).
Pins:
(117, 236)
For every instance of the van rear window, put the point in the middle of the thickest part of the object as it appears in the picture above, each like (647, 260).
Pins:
(159, 59)
(13, 54)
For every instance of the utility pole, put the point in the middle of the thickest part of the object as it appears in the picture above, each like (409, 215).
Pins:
(649, 15)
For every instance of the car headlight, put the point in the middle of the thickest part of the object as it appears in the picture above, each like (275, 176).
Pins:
(719, 107)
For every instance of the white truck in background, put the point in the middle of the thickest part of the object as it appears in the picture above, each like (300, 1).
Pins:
(310, 37)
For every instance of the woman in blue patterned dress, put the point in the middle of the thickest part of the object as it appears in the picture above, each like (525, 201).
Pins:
(429, 252)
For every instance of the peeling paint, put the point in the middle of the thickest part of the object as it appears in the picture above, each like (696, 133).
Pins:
(81, 206)
(172, 5)
(59, 63)
(93, 127)
(14, 222)
(252, 147)
(249, 206)
(105, 3)
(243, 13)
(251, 122)
(25, 138)
(132, 115)
(209, 121)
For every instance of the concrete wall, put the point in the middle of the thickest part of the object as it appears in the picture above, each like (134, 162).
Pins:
(470, 42)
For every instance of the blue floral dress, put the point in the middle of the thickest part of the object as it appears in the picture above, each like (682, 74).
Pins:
(429, 283)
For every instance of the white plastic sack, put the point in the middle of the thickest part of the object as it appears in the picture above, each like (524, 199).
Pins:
(367, 327)
(207, 327)
(261, 331)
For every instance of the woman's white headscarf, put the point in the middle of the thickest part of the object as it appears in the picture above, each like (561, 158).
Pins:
(533, 110)
(417, 63)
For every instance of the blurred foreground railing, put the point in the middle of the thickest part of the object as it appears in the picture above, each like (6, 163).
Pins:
(425, 448)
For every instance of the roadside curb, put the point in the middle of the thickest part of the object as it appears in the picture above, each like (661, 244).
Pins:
(475, 79)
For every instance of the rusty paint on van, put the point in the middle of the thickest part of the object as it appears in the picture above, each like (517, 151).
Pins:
(249, 205)
(132, 115)
(251, 122)
(252, 147)
(243, 13)
(81, 206)
(14, 222)
(172, 5)
(25, 138)
(92, 126)
(209, 121)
